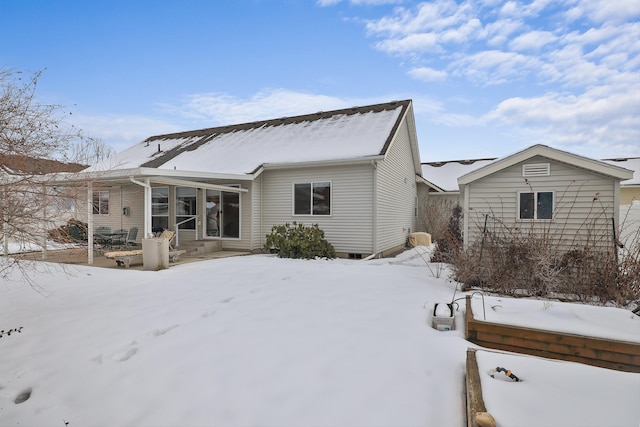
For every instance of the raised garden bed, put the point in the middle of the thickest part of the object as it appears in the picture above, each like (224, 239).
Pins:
(606, 353)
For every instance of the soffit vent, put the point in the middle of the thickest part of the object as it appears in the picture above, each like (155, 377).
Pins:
(536, 169)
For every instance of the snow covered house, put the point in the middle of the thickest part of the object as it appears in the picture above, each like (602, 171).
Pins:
(538, 189)
(354, 172)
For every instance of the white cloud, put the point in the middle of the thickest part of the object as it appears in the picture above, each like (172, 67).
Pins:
(498, 33)
(412, 43)
(428, 17)
(533, 40)
(325, 3)
(122, 131)
(600, 118)
(426, 74)
(224, 109)
(600, 11)
(494, 66)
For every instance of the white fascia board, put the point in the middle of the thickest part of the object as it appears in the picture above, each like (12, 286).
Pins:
(337, 162)
(172, 173)
(141, 172)
(194, 184)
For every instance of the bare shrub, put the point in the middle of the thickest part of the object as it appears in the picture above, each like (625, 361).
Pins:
(510, 262)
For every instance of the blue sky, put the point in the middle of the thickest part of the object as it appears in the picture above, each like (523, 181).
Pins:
(487, 77)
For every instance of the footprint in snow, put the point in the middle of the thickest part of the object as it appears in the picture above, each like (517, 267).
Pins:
(159, 332)
(125, 355)
(23, 396)
(226, 300)
(208, 313)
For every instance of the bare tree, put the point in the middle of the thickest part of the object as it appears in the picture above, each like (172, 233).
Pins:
(91, 151)
(35, 140)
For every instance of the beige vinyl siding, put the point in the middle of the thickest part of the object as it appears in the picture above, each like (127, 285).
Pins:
(349, 226)
(584, 202)
(396, 193)
(629, 194)
(133, 198)
(120, 196)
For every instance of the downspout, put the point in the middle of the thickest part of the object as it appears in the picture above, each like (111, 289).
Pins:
(261, 213)
(121, 211)
(465, 218)
(147, 205)
(375, 207)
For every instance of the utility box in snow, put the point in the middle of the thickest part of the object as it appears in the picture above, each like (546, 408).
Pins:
(443, 318)
(155, 254)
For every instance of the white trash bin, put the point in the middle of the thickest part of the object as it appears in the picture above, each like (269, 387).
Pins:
(155, 254)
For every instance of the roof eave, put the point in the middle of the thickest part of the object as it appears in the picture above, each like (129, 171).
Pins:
(144, 172)
(319, 163)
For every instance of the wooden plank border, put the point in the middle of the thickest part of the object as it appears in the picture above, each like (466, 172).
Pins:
(475, 402)
(612, 354)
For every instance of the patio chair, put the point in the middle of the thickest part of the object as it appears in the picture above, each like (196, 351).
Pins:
(101, 235)
(131, 237)
(119, 237)
(170, 235)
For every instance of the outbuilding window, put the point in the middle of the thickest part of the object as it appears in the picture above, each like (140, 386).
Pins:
(535, 205)
(312, 198)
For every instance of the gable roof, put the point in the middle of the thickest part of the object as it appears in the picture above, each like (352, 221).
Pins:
(551, 153)
(347, 134)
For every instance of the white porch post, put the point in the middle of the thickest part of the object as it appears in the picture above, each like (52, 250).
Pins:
(46, 222)
(89, 224)
(147, 209)
(5, 225)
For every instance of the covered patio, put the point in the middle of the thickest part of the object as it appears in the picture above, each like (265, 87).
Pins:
(79, 256)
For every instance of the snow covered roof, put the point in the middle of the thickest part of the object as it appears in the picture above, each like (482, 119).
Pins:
(631, 163)
(353, 133)
(16, 164)
(445, 174)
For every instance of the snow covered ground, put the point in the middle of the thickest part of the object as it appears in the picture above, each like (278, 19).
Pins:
(263, 341)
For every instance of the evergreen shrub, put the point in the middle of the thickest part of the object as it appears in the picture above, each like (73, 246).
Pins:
(299, 241)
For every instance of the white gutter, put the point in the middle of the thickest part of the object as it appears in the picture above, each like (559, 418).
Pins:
(195, 184)
(336, 162)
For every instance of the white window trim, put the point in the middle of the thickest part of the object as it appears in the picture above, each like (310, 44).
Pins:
(168, 215)
(535, 206)
(293, 199)
(204, 209)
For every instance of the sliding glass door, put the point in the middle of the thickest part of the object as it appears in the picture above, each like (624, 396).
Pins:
(222, 214)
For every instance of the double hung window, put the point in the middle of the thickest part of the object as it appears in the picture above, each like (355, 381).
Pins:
(535, 205)
(312, 198)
